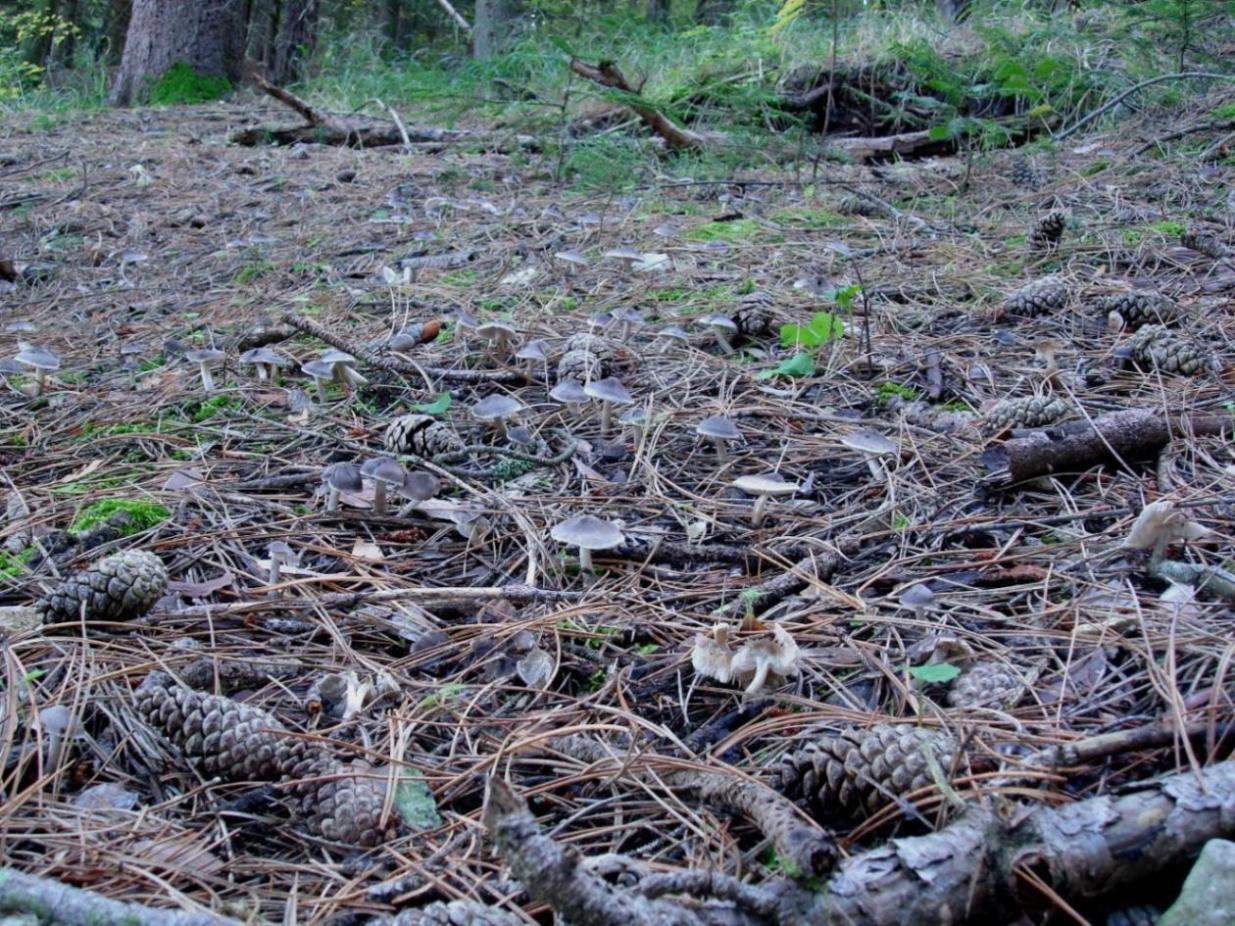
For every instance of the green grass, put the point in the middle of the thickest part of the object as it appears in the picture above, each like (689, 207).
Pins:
(13, 565)
(737, 230)
(143, 514)
(180, 85)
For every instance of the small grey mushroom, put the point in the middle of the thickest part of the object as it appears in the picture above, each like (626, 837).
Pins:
(343, 367)
(205, 359)
(499, 334)
(610, 392)
(571, 394)
(764, 487)
(419, 486)
(588, 533)
(629, 318)
(671, 335)
(723, 328)
(497, 408)
(636, 418)
(628, 256)
(338, 478)
(720, 430)
(321, 372)
(571, 260)
(42, 360)
(280, 555)
(385, 473)
(265, 360)
(872, 446)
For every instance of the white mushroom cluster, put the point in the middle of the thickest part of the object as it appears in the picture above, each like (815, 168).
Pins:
(752, 663)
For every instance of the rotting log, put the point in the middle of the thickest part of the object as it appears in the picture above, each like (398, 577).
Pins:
(607, 75)
(1129, 436)
(979, 869)
(58, 904)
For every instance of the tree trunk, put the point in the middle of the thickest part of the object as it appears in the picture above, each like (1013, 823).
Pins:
(492, 27)
(117, 28)
(297, 36)
(657, 11)
(207, 35)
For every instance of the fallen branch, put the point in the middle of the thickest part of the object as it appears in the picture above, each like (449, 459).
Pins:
(814, 568)
(607, 75)
(1122, 437)
(54, 903)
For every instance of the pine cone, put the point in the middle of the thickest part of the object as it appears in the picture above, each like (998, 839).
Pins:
(1035, 411)
(1161, 349)
(456, 913)
(1025, 173)
(857, 205)
(581, 365)
(859, 770)
(422, 435)
(1037, 297)
(593, 344)
(1047, 232)
(755, 317)
(343, 802)
(1204, 243)
(1138, 308)
(986, 684)
(116, 588)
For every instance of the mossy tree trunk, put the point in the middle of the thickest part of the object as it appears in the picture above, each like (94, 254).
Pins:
(492, 27)
(207, 35)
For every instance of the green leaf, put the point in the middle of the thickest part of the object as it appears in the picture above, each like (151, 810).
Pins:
(414, 802)
(939, 133)
(437, 407)
(797, 365)
(823, 327)
(938, 672)
(844, 297)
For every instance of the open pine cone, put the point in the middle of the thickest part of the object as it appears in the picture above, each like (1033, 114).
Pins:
(1047, 232)
(116, 588)
(1033, 411)
(1037, 297)
(1142, 307)
(986, 684)
(859, 770)
(422, 435)
(1160, 348)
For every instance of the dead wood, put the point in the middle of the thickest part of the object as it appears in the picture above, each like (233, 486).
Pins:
(1121, 437)
(819, 567)
(607, 75)
(973, 871)
(55, 904)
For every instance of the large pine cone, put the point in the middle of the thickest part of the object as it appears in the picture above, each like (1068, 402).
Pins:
(593, 344)
(1048, 231)
(986, 684)
(1034, 411)
(860, 770)
(456, 913)
(755, 315)
(1204, 243)
(116, 588)
(1037, 297)
(421, 435)
(1025, 173)
(343, 802)
(581, 365)
(1144, 307)
(1158, 347)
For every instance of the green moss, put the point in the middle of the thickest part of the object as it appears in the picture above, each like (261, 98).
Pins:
(143, 514)
(14, 564)
(808, 218)
(737, 230)
(181, 84)
(887, 391)
(208, 408)
(254, 270)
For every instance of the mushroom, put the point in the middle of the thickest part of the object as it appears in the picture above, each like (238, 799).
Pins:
(419, 486)
(1045, 350)
(636, 418)
(610, 392)
(322, 373)
(1158, 526)
(499, 334)
(719, 430)
(280, 555)
(534, 352)
(340, 477)
(918, 598)
(570, 394)
(43, 360)
(205, 358)
(872, 446)
(573, 260)
(628, 256)
(711, 656)
(464, 322)
(343, 367)
(497, 408)
(628, 318)
(588, 533)
(671, 333)
(723, 328)
(755, 660)
(766, 487)
(384, 472)
(21, 326)
(264, 359)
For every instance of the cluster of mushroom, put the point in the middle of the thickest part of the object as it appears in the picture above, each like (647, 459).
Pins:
(388, 478)
(331, 364)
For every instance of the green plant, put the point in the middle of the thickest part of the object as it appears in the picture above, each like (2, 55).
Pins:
(180, 84)
(143, 515)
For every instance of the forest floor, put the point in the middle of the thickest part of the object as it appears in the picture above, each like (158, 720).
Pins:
(141, 235)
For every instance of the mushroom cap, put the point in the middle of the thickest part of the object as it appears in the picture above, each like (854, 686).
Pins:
(780, 654)
(675, 332)
(624, 253)
(496, 406)
(588, 532)
(383, 469)
(571, 257)
(41, 358)
(403, 340)
(569, 392)
(343, 476)
(318, 369)
(609, 390)
(869, 442)
(718, 426)
(333, 355)
(261, 355)
(207, 356)
(635, 415)
(280, 551)
(418, 485)
(532, 350)
(495, 328)
(766, 484)
(627, 314)
(521, 435)
(918, 595)
(10, 365)
(21, 326)
(600, 319)
(718, 321)
(465, 319)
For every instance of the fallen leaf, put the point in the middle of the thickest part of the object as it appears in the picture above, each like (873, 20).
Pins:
(364, 549)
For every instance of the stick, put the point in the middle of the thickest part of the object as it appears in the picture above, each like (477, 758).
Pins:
(607, 75)
(55, 903)
(766, 594)
(289, 99)
(1111, 104)
(454, 14)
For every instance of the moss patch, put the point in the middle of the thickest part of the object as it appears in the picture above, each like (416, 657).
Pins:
(181, 84)
(737, 230)
(143, 515)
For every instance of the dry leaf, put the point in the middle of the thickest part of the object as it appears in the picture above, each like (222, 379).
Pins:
(371, 552)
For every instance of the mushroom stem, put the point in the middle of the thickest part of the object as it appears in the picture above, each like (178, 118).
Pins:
(207, 378)
(321, 390)
(761, 509)
(262, 374)
(722, 455)
(606, 417)
(876, 468)
(39, 377)
(275, 566)
(585, 561)
(332, 500)
(379, 497)
(721, 341)
(761, 676)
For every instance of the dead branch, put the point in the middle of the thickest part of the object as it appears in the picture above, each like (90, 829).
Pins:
(607, 75)
(55, 903)
(817, 567)
(1122, 437)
